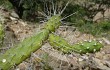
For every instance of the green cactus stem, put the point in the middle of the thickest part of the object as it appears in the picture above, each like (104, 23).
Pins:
(82, 48)
(1, 34)
(22, 51)
(16, 55)
(59, 43)
(87, 47)
(53, 23)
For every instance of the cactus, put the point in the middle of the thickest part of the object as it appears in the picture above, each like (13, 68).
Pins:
(1, 34)
(19, 53)
(83, 47)
(53, 23)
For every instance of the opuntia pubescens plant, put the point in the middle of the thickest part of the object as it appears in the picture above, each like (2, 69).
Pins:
(82, 48)
(22, 51)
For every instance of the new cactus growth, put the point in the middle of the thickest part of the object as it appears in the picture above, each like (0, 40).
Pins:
(22, 51)
(87, 46)
(53, 23)
(83, 47)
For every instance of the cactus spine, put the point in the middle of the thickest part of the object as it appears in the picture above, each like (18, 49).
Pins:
(19, 53)
(83, 47)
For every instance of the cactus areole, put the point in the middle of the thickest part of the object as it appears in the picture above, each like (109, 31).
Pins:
(22, 51)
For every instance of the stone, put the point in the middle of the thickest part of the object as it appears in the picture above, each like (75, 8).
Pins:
(14, 14)
(98, 17)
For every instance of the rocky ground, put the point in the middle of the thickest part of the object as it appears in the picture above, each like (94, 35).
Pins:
(48, 58)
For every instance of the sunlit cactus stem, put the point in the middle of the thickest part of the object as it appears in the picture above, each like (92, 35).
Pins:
(82, 48)
(53, 23)
(23, 50)
(16, 55)
(59, 43)
(87, 47)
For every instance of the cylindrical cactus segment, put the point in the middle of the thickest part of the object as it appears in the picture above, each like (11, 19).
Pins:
(84, 47)
(53, 23)
(59, 43)
(1, 34)
(16, 55)
(87, 47)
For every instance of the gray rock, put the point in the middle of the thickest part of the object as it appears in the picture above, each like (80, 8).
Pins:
(14, 14)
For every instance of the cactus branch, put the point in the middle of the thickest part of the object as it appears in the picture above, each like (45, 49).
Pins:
(82, 48)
